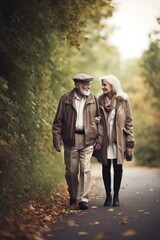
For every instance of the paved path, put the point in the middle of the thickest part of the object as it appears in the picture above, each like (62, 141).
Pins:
(137, 218)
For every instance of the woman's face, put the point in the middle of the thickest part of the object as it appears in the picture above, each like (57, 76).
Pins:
(106, 87)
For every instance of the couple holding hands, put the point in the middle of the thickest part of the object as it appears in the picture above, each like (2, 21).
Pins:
(88, 126)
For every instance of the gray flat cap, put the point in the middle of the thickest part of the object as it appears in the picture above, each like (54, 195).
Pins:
(82, 77)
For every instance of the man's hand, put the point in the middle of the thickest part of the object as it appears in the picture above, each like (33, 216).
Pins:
(58, 147)
(97, 146)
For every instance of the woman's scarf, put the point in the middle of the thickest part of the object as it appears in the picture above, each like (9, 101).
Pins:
(108, 104)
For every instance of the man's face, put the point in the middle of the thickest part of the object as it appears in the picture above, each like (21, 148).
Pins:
(84, 88)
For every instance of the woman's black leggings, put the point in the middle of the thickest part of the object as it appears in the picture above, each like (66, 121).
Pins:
(106, 173)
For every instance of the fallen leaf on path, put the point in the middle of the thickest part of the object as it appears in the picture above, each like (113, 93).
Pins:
(94, 223)
(129, 233)
(110, 210)
(82, 212)
(82, 233)
(94, 207)
(47, 218)
(124, 220)
(146, 213)
(72, 223)
(101, 235)
(58, 228)
(31, 207)
(31, 221)
(120, 213)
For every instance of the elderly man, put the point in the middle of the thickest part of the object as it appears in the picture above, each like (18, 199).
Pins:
(74, 126)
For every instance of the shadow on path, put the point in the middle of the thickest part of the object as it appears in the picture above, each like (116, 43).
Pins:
(137, 218)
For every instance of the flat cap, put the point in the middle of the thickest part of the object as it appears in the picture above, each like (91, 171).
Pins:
(82, 77)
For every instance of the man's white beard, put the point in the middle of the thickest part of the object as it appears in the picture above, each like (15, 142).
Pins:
(84, 92)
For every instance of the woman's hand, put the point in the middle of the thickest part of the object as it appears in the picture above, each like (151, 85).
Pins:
(129, 151)
(97, 146)
(97, 120)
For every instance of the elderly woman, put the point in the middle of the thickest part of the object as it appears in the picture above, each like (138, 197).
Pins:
(118, 140)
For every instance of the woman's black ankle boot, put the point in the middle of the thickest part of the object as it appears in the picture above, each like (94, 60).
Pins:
(108, 201)
(116, 202)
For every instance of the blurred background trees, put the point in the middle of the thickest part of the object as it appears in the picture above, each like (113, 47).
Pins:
(148, 146)
(42, 45)
(141, 79)
(37, 45)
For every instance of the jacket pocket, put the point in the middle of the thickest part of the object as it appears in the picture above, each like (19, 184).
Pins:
(94, 130)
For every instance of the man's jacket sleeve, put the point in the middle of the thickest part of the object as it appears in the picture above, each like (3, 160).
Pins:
(57, 124)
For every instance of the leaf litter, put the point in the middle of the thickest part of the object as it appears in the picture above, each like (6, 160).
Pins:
(33, 219)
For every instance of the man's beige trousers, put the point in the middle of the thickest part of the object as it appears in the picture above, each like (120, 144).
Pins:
(78, 168)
